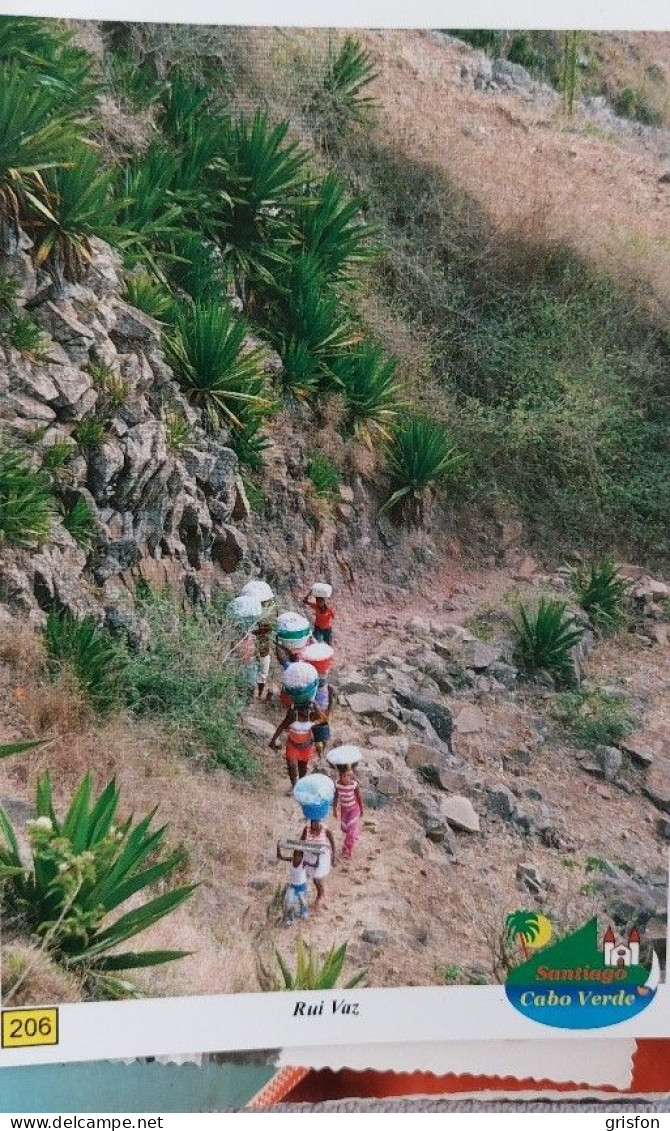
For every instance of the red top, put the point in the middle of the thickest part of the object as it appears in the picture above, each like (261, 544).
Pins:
(609, 935)
(634, 936)
(323, 617)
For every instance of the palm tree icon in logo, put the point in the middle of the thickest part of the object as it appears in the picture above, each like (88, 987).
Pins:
(529, 928)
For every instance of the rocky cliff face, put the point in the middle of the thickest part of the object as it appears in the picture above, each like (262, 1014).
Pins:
(160, 514)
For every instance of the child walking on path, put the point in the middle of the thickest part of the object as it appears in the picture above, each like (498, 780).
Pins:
(316, 833)
(318, 600)
(299, 723)
(347, 795)
(295, 899)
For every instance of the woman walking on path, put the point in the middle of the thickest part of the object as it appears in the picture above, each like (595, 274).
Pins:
(316, 833)
(299, 724)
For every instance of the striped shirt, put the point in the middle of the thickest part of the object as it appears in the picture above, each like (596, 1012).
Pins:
(346, 793)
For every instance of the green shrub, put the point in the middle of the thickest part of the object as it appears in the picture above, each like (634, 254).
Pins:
(593, 718)
(56, 457)
(98, 663)
(312, 972)
(197, 268)
(147, 293)
(134, 83)
(545, 638)
(324, 475)
(338, 103)
(80, 870)
(26, 510)
(55, 64)
(89, 432)
(372, 393)
(113, 388)
(177, 432)
(183, 680)
(486, 39)
(183, 102)
(33, 138)
(332, 231)
(601, 592)
(79, 521)
(205, 348)
(25, 336)
(8, 291)
(633, 102)
(149, 217)
(79, 205)
(249, 443)
(421, 455)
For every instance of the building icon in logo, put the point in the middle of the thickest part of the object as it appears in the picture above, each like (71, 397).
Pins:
(618, 954)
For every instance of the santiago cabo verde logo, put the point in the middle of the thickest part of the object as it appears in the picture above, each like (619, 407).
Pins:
(577, 983)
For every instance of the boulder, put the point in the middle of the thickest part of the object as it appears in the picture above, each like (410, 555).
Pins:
(388, 785)
(438, 714)
(657, 784)
(60, 319)
(134, 326)
(375, 936)
(418, 756)
(229, 548)
(470, 720)
(365, 703)
(479, 656)
(642, 746)
(610, 759)
(459, 813)
(529, 878)
(259, 728)
(501, 802)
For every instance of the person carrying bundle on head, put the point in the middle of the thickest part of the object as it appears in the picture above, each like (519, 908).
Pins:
(300, 682)
(318, 599)
(347, 794)
(320, 656)
(261, 591)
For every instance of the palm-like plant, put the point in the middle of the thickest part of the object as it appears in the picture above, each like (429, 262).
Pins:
(254, 186)
(371, 390)
(601, 591)
(339, 101)
(249, 442)
(182, 102)
(33, 138)
(26, 508)
(196, 267)
(205, 347)
(309, 325)
(150, 295)
(98, 662)
(81, 869)
(332, 231)
(545, 639)
(79, 521)
(79, 205)
(149, 216)
(313, 971)
(523, 926)
(54, 61)
(421, 455)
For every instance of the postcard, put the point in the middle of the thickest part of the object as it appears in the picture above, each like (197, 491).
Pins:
(334, 550)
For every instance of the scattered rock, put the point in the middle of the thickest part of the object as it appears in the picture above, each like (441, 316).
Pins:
(415, 845)
(663, 827)
(641, 747)
(418, 756)
(375, 936)
(501, 802)
(610, 759)
(364, 703)
(260, 728)
(388, 785)
(657, 784)
(529, 877)
(460, 814)
(470, 720)
(479, 656)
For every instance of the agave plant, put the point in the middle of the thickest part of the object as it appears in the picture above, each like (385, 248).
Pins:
(26, 508)
(182, 102)
(545, 639)
(332, 231)
(147, 293)
(196, 267)
(98, 662)
(309, 325)
(9, 749)
(313, 971)
(55, 63)
(256, 184)
(149, 217)
(601, 591)
(249, 442)
(420, 455)
(339, 101)
(371, 390)
(33, 138)
(205, 348)
(79, 205)
(81, 869)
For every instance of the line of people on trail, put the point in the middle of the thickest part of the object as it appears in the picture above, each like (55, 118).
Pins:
(305, 653)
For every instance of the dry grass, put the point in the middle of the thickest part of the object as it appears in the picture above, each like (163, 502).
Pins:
(57, 709)
(22, 649)
(30, 976)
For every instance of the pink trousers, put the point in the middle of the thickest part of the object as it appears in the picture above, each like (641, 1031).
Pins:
(349, 819)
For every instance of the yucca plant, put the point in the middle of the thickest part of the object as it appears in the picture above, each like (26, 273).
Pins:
(79, 521)
(249, 442)
(26, 508)
(182, 103)
(339, 101)
(196, 267)
(309, 325)
(371, 390)
(135, 83)
(79, 205)
(332, 231)
(33, 138)
(81, 869)
(178, 432)
(420, 455)
(312, 972)
(254, 187)
(149, 216)
(9, 749)
(97, 661)
(601, 592)
(205, 348)
(545, 639)
(55, 63)
(150, 295)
